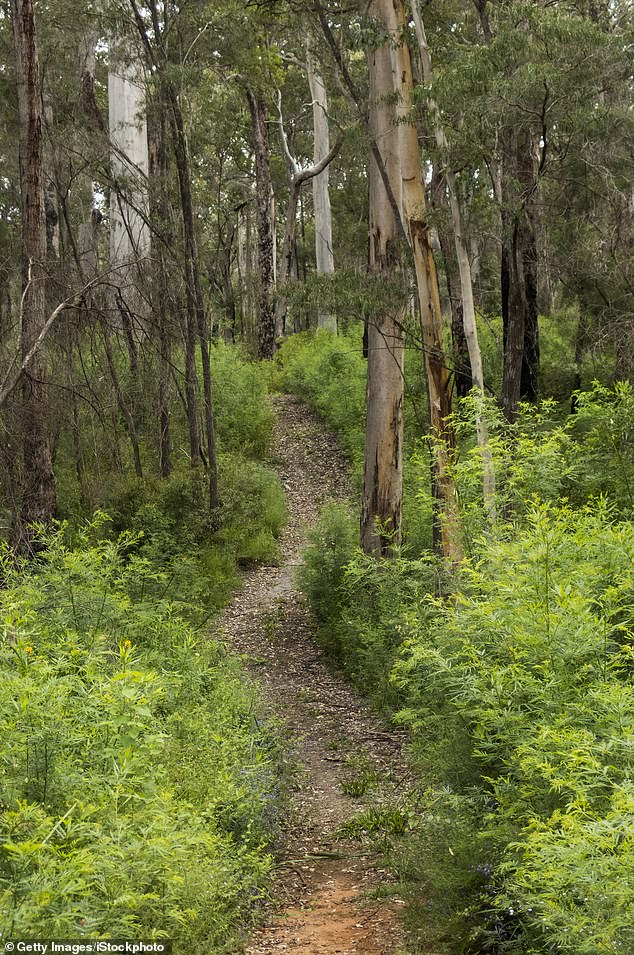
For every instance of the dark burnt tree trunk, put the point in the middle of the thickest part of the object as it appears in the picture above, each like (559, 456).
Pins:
(463, 378)
(266, 246)
(520, 379)
(195, 303)
(38, 491)
(159, 172)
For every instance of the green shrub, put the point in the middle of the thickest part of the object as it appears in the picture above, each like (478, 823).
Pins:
(543, 456)
(140, 790)
(244, 417)
(527, 674)
(321, 573)
(602, 430)
(254, 511)
(362, 605)
(174, 531)
(328, 372)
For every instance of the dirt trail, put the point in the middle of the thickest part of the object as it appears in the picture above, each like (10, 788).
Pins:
(322, 879)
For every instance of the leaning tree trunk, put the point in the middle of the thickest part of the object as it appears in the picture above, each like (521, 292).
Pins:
(381, 515)
(415, 216)
(266, 244)
(324, 257)
(466, 283)
(38, 492)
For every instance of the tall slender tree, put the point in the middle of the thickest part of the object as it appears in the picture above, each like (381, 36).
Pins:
(197, 327)
(297, 176)
(265, 224)
(324, 256)
(464, 271)
(38, 493)
(382, 507)
(129, 232)
(392, 16)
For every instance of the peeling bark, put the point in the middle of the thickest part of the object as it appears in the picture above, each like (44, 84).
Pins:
(129, 232)
(466, 283)
(415, 216)
(381, 515)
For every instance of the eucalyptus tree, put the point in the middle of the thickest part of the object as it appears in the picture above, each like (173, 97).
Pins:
(382, 506)
(322, 210)
(530, 93)
(298, 174)
(38, 483)
(464, 269)
(129, 212)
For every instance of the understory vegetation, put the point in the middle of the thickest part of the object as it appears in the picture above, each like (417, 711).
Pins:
(513, 674)
(143, 791)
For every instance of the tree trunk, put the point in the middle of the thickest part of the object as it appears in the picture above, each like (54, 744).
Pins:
(381, 514)
(78, 454)
(415, 215)
(466, 283)
(38, 494)
(324, 258)
(297, 177)
(87, 246)
(520, 377)
(288, 256)
(51, 204)
(266, 245)
(129, 233)
(197, 320)
(460, 353)
(159, 173)
(245, 275)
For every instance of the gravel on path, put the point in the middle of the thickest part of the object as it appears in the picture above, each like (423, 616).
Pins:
(321, 903)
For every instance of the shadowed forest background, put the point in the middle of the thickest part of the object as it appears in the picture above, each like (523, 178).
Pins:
(417, 219)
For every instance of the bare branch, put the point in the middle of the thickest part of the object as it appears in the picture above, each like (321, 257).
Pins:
(10, 382)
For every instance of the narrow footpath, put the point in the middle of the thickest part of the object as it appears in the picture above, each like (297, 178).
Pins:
(321, 903)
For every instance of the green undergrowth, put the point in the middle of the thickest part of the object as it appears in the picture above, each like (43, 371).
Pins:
(170, 516)
(328, 372)
(520, 696)
(514, 678)
(142, 789)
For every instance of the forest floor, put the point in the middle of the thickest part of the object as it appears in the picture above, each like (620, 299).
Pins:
(327, 896)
